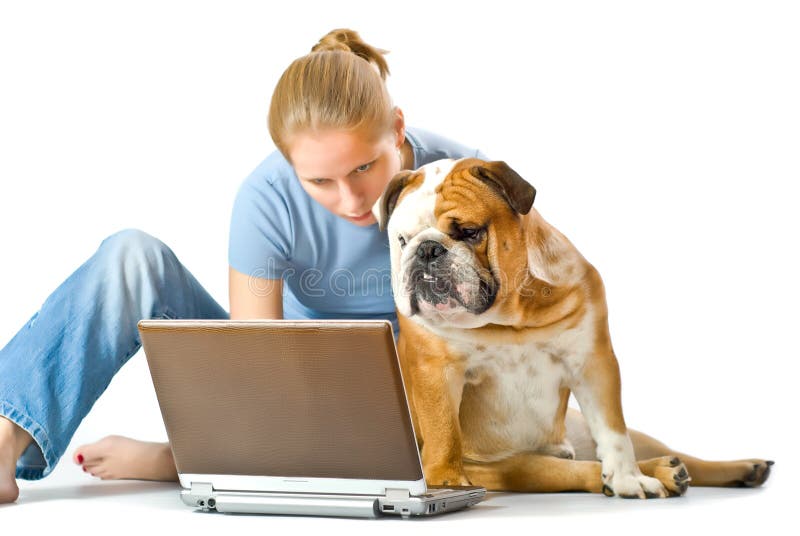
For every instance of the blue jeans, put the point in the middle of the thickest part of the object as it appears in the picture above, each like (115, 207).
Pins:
(60, 362)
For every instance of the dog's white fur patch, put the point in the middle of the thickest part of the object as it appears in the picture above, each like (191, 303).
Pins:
(515, 389)
(413, 219)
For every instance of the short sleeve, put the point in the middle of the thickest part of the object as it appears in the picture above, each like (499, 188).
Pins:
(260, 242)
(431, 146)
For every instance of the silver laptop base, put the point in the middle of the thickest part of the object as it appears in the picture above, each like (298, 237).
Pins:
(436, 501)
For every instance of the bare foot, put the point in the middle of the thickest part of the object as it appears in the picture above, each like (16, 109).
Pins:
(9, 491)
(13, 442)
(118, 457)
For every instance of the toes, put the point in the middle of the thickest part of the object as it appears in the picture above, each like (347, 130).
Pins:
(681, 480)
(681, 484)
(671, 472)
(640, 494)
(758, 474)
(98, 472)
(90, 453)
(635, 487)
(566, 454)
(91, 468)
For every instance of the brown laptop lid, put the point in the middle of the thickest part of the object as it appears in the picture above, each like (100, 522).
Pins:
(320, 399)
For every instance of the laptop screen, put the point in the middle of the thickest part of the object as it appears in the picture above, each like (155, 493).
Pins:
(314, 399)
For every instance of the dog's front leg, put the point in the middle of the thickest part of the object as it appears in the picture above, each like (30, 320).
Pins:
(597, 389)
(436, 388)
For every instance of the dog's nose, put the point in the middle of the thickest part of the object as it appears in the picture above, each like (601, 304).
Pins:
(429, 250)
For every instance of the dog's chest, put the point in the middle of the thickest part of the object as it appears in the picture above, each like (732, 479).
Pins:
(511, 397)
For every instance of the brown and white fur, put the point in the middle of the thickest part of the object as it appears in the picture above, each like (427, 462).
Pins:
(501, 318)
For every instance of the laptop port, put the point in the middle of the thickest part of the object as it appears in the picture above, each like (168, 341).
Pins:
(388, 507)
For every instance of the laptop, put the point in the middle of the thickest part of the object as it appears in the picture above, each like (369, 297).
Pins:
(297, 417)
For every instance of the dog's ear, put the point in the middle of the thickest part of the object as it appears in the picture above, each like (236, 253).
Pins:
(517, 192)
(384, 207)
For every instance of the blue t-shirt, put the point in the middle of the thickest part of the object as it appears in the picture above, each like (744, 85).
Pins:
(331, 268)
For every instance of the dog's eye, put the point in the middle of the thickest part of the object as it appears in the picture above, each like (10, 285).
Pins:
(470, 234)
(401, 240)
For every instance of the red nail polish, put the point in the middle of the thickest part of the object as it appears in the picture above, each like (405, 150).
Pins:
(80, 458)
(84, 469)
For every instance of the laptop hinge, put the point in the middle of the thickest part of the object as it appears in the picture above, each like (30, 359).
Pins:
(202, 488)
(397, 494)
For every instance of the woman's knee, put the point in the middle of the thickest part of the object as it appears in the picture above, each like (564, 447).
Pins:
(134, 250)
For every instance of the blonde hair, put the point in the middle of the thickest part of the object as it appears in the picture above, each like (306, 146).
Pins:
(340, 85)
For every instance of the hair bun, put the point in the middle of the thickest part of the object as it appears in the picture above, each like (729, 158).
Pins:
(350, 41)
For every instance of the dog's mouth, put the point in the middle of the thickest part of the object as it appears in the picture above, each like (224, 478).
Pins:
(437, 293)
(432, 286)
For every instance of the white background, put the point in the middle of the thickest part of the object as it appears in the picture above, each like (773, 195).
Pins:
(662, 138)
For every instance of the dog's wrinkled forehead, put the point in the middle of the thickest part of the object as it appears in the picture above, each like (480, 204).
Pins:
(413, 194)
(415, 209)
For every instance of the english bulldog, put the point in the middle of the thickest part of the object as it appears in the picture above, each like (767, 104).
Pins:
(501, 318)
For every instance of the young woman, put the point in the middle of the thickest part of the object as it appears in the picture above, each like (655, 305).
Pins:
(303, 244)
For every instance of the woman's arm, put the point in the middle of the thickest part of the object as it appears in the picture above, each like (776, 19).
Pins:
(254, 297)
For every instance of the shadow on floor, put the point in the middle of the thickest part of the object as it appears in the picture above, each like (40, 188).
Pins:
(32, 494)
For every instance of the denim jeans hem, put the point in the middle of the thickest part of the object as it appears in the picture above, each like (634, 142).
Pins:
(40, 440)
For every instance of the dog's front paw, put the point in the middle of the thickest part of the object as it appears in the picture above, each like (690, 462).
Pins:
(632, 485)
(446, 475)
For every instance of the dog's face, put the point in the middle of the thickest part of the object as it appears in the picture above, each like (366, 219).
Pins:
(455, 239)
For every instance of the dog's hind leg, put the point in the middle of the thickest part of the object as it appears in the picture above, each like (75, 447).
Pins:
(540, 473)
(650, 454)
(527, 472)
(748, 472)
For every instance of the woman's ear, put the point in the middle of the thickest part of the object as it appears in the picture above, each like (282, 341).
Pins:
(399, 127)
